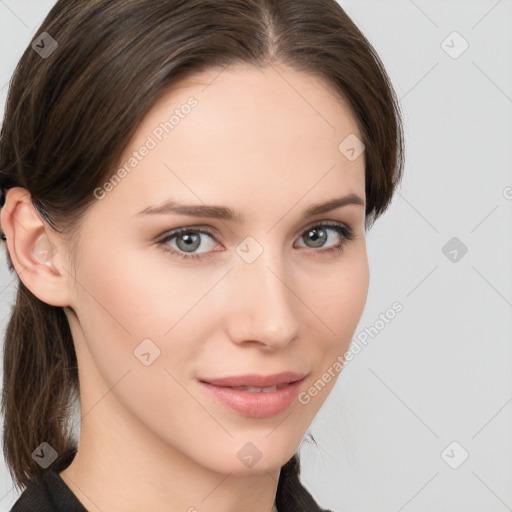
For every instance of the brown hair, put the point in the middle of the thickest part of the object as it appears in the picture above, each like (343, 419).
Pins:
(69, 117)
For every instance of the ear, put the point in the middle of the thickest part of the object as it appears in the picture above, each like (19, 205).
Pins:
(35, 249)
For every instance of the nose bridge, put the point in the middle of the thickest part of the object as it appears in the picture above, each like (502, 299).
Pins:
(263, 297)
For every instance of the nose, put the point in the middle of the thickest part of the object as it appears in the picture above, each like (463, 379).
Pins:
(263, 308)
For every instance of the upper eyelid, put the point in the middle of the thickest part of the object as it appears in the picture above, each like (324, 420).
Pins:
(212, 232)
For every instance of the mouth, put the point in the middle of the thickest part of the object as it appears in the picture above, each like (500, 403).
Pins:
(257, 381)
(255, 401)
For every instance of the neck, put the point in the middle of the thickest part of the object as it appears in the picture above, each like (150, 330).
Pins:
(123, 476)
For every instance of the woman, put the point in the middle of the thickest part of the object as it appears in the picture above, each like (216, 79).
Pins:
(187, 191)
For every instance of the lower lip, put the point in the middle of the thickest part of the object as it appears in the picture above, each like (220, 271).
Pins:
(258, 404)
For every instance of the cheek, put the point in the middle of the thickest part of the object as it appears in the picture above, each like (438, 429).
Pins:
(349, 295)
(131, 293)
(338, 302)
(123, 303)
(127, 310)
(337, 296)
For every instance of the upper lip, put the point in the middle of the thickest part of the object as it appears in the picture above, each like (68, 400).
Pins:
(260, 381)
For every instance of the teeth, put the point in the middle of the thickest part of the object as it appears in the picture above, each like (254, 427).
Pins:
(256, 390)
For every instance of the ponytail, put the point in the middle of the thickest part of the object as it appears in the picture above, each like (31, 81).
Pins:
(40, 376)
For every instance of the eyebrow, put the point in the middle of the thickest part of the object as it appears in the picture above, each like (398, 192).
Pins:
(227, 214)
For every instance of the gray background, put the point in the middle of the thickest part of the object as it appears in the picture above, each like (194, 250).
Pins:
(440, 371)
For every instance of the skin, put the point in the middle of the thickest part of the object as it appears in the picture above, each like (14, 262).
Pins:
(150, 438)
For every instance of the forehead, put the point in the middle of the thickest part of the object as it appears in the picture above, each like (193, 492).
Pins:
(228, 134)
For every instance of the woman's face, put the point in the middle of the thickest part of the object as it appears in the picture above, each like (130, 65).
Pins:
(265, 292)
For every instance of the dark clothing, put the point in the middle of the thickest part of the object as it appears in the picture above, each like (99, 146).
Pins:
(49, 492)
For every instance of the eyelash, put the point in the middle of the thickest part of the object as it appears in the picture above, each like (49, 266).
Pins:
(345, 231)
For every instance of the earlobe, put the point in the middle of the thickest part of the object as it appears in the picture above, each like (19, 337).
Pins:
(35, 257)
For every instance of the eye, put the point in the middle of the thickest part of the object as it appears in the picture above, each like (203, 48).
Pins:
(189, 239)
(318, 235)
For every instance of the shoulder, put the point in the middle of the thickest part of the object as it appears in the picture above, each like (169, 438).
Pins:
(48, 492)
(34, 497)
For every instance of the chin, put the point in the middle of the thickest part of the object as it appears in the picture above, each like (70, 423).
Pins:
(252, 456)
